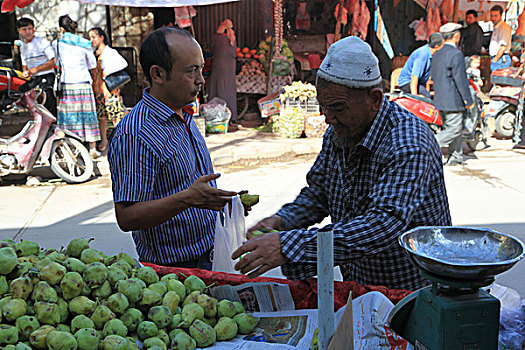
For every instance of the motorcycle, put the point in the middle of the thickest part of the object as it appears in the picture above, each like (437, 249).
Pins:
(475, 128)
(504, 99)
(40, 141)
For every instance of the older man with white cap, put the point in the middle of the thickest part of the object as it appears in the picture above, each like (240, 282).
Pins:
(452, 93)
(378, 175)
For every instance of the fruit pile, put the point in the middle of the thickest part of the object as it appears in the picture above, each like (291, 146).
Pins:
(245, 52)
(298, 91)
(81, 299)
(291, 122)
(251, 68)
(283, 61)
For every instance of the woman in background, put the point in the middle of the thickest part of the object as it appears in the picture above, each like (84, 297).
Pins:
(76, 108)
(109, 103)
(222, 78)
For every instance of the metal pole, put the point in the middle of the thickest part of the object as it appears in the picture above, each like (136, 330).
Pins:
(325, 286)
(108, 25)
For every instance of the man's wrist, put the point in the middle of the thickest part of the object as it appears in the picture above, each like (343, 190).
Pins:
(185, 197)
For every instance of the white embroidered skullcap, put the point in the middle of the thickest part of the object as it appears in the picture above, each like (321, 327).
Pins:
(350, 62)
(450, 27)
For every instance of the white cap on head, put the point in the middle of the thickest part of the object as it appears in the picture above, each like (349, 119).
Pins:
(350, 62)
(449, 27)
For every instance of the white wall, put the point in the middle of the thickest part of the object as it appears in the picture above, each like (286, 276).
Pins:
(46, 14)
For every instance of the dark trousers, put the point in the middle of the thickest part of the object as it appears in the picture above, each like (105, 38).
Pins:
(452, 134)
(421, 90)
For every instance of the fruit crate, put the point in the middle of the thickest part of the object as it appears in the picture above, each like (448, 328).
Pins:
(310, 106)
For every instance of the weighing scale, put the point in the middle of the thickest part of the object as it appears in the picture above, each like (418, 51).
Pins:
(454, 312)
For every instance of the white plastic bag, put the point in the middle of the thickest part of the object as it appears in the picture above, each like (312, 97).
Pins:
(230, 232)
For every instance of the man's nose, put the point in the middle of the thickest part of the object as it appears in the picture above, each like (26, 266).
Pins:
(329, 118)
(200, 79)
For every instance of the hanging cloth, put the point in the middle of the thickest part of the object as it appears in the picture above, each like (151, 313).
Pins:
(302, 19)
(226, 28)
(183, 16)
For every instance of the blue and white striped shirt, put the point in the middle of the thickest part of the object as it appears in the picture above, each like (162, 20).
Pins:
(154, 154)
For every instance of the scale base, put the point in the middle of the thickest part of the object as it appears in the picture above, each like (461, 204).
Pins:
(455, 322)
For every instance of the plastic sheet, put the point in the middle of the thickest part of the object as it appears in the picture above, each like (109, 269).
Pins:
(216, 111)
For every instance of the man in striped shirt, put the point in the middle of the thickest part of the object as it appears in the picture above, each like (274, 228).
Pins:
(163, 182)
(378, 175)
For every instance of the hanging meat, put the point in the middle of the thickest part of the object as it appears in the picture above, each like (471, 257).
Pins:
(360, 20)
(433, 18)
(447, 11)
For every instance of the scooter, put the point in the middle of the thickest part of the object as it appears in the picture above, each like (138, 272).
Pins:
(502, 106)
(475, 128)
(40, 141)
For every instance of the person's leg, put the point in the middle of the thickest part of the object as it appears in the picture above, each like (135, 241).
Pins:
(103, 126)
(422, 90)
(503, 62)
(451, 136)
(405, 88)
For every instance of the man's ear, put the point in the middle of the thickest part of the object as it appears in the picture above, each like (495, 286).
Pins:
(376, 94)
(158, 74)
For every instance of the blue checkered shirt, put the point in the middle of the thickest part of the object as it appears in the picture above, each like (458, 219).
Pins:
(391, 182)
(153, 154)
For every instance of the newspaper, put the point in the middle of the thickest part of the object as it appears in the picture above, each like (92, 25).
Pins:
(257, 297)
(294, 329)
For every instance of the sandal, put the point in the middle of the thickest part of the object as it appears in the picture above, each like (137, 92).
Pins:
(94, 153)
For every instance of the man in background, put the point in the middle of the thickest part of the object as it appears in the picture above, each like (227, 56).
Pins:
(38, 60)
(501, 40)
(416, 71)
(452, 94)
(472, 35)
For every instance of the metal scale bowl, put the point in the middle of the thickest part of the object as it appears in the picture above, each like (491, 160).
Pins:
(454, 313)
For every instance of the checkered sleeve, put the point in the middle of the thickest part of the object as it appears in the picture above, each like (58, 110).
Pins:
(311, 206)
(402, 187)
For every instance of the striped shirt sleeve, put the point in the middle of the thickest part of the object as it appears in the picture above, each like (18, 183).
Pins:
(133, 169)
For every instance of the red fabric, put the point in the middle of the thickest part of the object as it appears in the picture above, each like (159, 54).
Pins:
(314, 60)
(9, 5)
(304, 293)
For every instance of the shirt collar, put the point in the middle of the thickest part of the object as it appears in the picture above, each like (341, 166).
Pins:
(449, 43)
(160, 110)
(376, 131)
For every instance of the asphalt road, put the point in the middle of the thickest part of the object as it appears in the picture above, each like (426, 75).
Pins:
(488, 192)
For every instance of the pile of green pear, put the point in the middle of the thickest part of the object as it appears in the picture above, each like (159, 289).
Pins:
(79, 298)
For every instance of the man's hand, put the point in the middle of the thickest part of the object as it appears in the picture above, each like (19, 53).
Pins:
(270, 223)
(264, 254)
(26, 74)
(470, 106)
(203, 196)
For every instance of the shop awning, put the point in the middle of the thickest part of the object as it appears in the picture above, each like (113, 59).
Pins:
(9, 5)
(155, 3)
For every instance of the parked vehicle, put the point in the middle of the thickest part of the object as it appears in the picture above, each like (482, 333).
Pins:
(40, 141)
(502, 106)
(475, 128)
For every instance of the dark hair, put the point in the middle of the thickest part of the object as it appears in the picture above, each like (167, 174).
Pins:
(472, 12)
(497, 8)
(67, 23)
(155, 50)
(24, 22)
(101, 33)
(435, 40)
